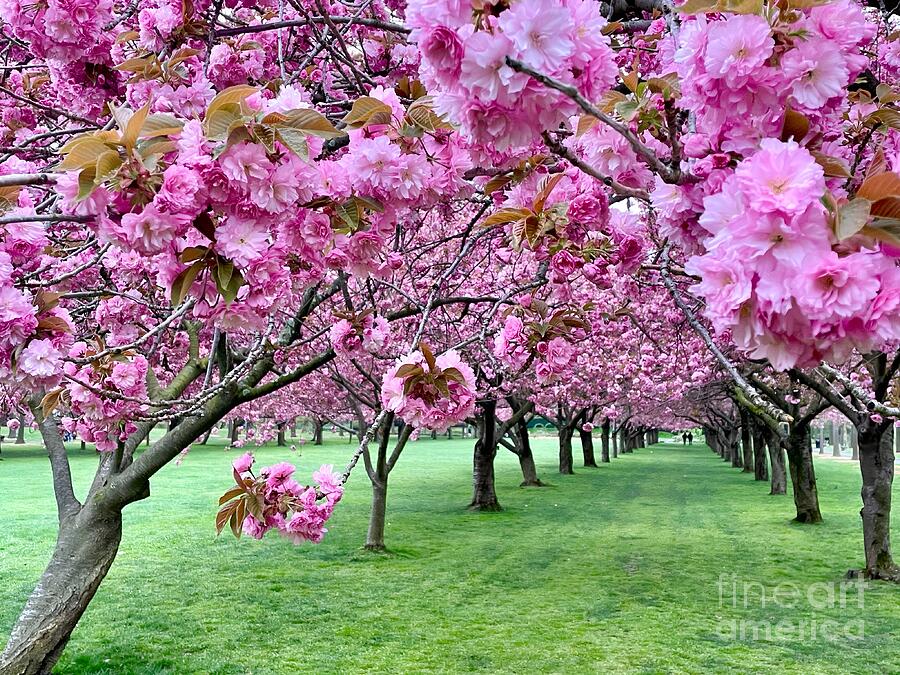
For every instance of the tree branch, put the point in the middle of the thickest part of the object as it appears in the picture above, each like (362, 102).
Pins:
(752, 395)
(66, 503)
(648, 155)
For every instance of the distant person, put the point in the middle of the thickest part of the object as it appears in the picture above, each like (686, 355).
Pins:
(690, 438)
(684, 438)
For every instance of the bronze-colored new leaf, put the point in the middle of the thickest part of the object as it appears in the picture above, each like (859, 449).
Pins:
(877, 187)
(367, 110)
(50, 402)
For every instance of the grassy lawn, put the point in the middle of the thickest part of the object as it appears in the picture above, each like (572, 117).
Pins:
(610, 570)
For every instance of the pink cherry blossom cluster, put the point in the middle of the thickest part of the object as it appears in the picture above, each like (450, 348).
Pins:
(773, 274)
(533, 335)
(274, 500)
(430, 392)
(104, 396)
(35, 332)
(738, 73)
(368, 334)
(63, 30)
(579, 234)
(464, 59)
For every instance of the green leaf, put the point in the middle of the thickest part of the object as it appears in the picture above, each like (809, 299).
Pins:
(86, 182)
(224, 272)
(184, 281)
(192, 253)
(230, 291)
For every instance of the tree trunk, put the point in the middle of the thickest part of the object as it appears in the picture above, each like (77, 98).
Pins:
(317, 432)
(615, 442)
(760, 467)
(835, 440)
(20, 432)
(803, 475)
(876, 463)
(627, 441)
(526, 457)
(587, 447)
(485, 497)
(294, 428)
(604, 451)
(85, 549)
(734, 441)
(565, 449)
(375, 534)
(234, 431)
(746, 442)
(776, 459)
(281, 442)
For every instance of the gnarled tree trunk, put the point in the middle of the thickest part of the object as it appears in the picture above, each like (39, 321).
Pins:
(746, 443)
(734, 445)
(776, 459)
(604, 442)
(758, 440)
(375, 533)
(317, 431)
(627, 440)
(876, 463)
(85, 549)
(525, 455)
(587, 447)
(378, 473)
(803, 475)
(565, 449)
(485, 496)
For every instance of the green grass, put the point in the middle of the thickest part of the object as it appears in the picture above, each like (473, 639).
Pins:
(610, 570)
